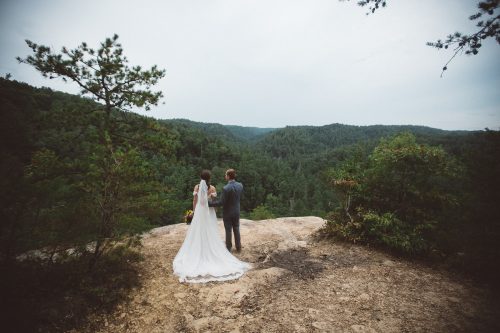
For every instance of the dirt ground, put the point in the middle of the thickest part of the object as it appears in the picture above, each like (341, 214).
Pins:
(300, 283)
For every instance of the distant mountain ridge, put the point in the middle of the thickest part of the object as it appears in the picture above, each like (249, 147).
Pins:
(310, 139)
(314, 137)
(306, 140)
(235, 132)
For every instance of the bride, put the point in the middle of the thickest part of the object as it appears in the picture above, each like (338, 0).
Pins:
(203, 257)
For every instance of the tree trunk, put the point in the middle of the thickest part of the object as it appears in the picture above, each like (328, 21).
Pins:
(96, 254)
(105, 209)
(347, 206)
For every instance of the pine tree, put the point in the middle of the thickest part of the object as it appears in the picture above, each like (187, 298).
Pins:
(104, 76)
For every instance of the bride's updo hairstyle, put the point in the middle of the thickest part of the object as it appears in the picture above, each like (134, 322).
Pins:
(205, 175)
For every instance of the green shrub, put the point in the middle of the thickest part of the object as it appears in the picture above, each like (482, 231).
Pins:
(261, 212)
(397, 197)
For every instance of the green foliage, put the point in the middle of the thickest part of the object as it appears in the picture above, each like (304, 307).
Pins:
(488, 26)
(398, 196)
(55, 155)
(261, 212)
(412, 179)
(388, 230)
(103, 73)
(117, 179)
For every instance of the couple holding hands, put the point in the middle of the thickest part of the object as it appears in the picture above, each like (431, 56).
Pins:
(203, 256)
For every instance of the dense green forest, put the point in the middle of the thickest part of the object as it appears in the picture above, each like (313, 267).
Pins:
(410, 189)
(49, 145)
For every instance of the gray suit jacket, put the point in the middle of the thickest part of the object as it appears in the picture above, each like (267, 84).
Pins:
(229, 200)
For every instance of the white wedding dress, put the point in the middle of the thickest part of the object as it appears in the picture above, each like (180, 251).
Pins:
(203, 256)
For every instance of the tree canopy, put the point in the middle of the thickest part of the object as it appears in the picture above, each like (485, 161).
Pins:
(116, 177)
(102, 74)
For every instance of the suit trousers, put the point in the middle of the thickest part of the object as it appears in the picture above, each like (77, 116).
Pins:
(232, 225)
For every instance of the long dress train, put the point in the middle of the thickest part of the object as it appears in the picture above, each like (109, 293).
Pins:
(203, 256)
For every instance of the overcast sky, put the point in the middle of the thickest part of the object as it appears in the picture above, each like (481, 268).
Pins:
(277, 63)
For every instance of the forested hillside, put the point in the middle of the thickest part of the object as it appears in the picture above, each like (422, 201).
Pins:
(227, 132)
(285, 171)
(409, 189)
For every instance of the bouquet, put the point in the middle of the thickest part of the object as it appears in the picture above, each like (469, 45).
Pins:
(188, 216)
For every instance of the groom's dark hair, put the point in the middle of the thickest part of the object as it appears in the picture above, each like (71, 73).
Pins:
(231, 173)
(205, 175)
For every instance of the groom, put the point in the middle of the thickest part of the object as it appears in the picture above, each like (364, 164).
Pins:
(230, 202)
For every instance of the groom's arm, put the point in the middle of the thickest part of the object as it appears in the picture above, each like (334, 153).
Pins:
(219, 202)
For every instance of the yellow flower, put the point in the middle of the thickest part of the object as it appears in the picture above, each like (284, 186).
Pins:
(188, 216)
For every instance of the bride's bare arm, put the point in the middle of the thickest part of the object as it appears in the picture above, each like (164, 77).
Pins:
(212, 192)
(195, 196)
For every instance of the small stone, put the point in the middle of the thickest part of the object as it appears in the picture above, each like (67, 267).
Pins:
(229, 313)
(362, 329)
(180, 295)
(313, 312)
(364, 297)
(301, 244)
(321, 325)
(389, 263)
(298, 328)
(201, 323)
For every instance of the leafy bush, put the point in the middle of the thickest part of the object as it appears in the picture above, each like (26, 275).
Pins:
(395, 198)
(261, 212)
